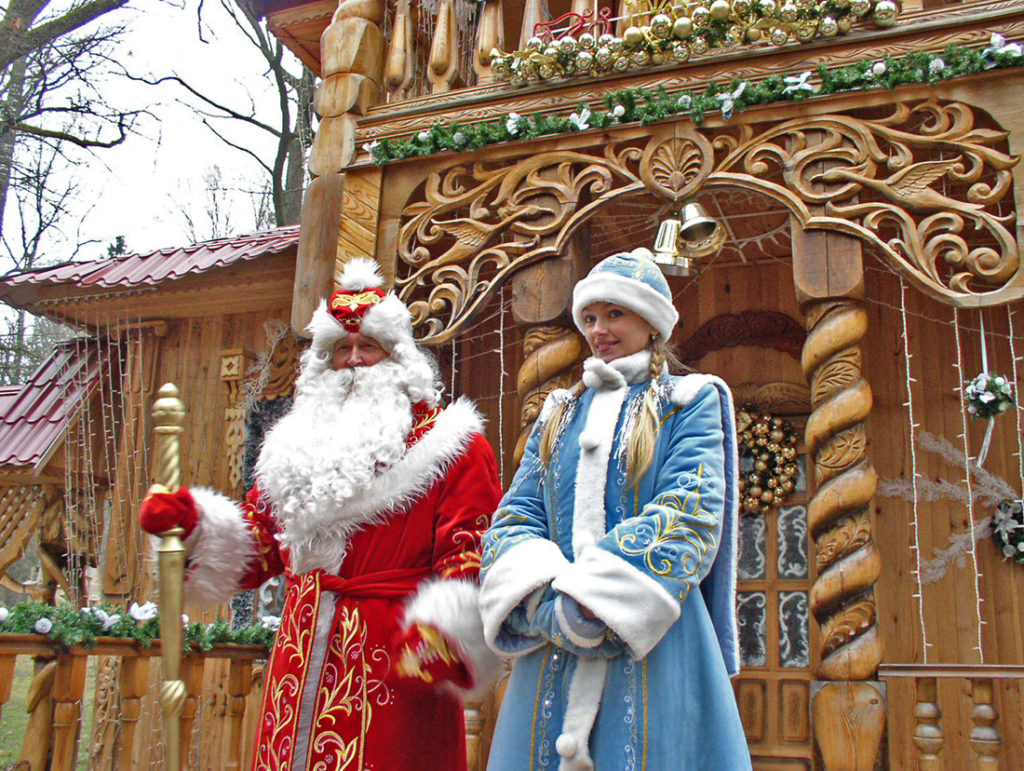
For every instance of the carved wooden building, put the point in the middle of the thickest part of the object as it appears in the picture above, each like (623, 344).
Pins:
(866, 178)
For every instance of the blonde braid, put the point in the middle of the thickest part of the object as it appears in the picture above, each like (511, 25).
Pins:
(547, 439)
(640, 452)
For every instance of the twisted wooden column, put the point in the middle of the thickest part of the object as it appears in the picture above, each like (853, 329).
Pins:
(550, 352)
(849, 717)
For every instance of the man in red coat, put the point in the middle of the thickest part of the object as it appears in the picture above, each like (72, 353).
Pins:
(371, 498)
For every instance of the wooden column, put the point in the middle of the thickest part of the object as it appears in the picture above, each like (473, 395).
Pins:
(928, 730)
(134, 684)
(352, 51)
(39, 732)
(986, 740)
(848, 706)
(68, 687)
(490, 34)
(7, 662)
(443, 63)
(533, 12)
(239, 685)
(234, 363)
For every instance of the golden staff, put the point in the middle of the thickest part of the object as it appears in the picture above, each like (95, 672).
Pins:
(168, 419)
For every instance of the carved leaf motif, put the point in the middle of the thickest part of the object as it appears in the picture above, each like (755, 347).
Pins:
(676, 167)
(851, 534)
(839, 372)
(840, 452)
(849, 623)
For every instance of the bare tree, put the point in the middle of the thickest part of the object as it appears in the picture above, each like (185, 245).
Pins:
(290, 125)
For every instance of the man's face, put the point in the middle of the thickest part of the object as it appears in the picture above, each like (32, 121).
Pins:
(357, 350)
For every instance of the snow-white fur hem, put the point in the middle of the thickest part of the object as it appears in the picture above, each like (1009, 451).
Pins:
(633, 605)
(515, 575)
(585, 694)
(452, 606)
(220, 549)
(687, 387)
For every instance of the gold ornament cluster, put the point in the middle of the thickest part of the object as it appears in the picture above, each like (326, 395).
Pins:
(664, 32)
(772, 444)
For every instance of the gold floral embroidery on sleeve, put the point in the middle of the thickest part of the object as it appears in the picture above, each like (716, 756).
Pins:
(682, 529)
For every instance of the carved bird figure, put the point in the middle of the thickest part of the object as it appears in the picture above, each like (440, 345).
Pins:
(471, 236)
(909, 187)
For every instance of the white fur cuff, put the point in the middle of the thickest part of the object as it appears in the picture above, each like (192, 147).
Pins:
(630, 603)
(222, 548)
(452, 606)
(524, 568)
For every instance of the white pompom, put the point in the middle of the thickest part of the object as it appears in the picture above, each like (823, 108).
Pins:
(589, 441)
(566, 745)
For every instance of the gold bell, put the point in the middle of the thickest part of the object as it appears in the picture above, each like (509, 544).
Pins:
(666, 255)
(699, 234)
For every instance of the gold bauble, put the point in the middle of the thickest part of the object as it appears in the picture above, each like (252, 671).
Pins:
(885, 13)
(699, 45)
(632, 37)
(788, 12)
(791, 470)
(789, 453)
(701, 17)
(806, 31)
(760, 465)
(719, 10)
(860, 7)
(845, 24)
(741, 7)
(640, 58)
(767, 496)
(754, 34)
(680, 51)
(551, 51)
(534, 44)
(621, 63)
(603, 57)
(779, 36)
(586, 42)
(659, 57)
(751, 505)
(547, 71)
(773, 482)
(765, 456)
(755, 491)
(828, 27)
(682, 28)
(584, 60)
(605, 41)
(568, 44)
(777, 434)
(767, 7)
(661, 25)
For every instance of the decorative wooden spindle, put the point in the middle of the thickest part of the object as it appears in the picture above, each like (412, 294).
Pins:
(398, 68)
(986, 741)
(475, 719)
(68, 687)
(133, 681)
(192, 667)
(239, 686)
(7, 661)
(168, 417)
(533, 13)
(927, 730)
(443, 64)
(490, 34)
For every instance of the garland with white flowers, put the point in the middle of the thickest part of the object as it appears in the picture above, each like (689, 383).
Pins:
(648, 106)
(1008, 530)
(988, 395)
(68, 626)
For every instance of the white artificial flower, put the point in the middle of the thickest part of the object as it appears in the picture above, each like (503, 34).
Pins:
(459, 138)
(143, 613)
(936, 65)
(184, 619)
(512, 123)
(1008, 551)
(1000, 381)
(618, 110)
(423, 136)
(1020, 546)
(685, 101)
(370, 146)
(729, 100)
(972, 409)
(1003, 407)
(4, 613)
(878, 70)
(43, 626)
(998, 45)
(271, 622)
(987, 397)
(981, 381)
(797, 83)
(581, 120)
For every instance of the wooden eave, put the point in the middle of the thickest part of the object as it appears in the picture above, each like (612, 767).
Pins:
(932, 30)
(299, 28)
(237, 288)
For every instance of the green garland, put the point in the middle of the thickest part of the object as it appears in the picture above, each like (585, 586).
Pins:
(648, 106)
(69, 626)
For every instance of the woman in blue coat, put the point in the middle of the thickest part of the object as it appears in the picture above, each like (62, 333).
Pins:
(609, 568)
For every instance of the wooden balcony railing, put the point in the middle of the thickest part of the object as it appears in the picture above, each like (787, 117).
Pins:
(949, 730)
(59, 679)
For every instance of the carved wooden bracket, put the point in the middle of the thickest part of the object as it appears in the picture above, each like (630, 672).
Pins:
(926, 184)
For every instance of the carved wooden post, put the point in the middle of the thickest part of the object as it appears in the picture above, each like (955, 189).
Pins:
(398, 69)
(352, 60)
(490, 34)
(68, 686)
(533, 12)
(7, 661)
(540, 294)
(443, 64)
(239, 685)
(134, 683)
(474, 717)
(39, 705)
(928, 732)
(233, 365)
(192, 666)
(986, 740)
(849, 711)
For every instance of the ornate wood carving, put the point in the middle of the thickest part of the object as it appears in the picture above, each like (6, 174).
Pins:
(234, 364)
(442, 66)
(764, 329)
(928, 734)
(986, 740)
(775, 398)
(927, 187)
(849, 714)
(842, 598)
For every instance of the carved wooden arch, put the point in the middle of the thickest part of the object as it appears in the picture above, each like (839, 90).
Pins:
(927, 184)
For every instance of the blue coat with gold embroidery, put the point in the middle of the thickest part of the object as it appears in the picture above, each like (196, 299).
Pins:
(644, 684)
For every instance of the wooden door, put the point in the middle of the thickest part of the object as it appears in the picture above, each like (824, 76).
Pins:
(775, 577)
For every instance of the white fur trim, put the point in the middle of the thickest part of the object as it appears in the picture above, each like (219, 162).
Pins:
(588, 518)
(526, 567)
(360, 273)
(585, 694)
(388, 322)
(222, 547)
(645, 301)
(453, 607)
(553, 400)
(687, 387)
(632, 604)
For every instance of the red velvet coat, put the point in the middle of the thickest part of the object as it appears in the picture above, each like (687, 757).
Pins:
(332, 699)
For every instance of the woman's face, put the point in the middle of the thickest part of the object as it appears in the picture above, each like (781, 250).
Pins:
(613, 331)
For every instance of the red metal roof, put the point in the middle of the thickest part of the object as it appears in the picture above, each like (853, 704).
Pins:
(33, 416)
(161, 265)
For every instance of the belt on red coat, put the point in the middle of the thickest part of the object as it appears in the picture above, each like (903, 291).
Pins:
(383, 584)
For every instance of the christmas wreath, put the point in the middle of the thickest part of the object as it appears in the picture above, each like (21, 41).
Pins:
(988, 395)
(770, 444)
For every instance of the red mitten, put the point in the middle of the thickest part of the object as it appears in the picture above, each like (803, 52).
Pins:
(426, 654)
(161, 511)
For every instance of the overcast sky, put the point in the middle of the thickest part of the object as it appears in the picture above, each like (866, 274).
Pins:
(131, 190)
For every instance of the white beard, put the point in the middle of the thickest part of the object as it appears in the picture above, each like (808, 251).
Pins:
(345, 427)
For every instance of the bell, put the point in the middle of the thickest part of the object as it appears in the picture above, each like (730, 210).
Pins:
(666, 255)
(700, 235)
